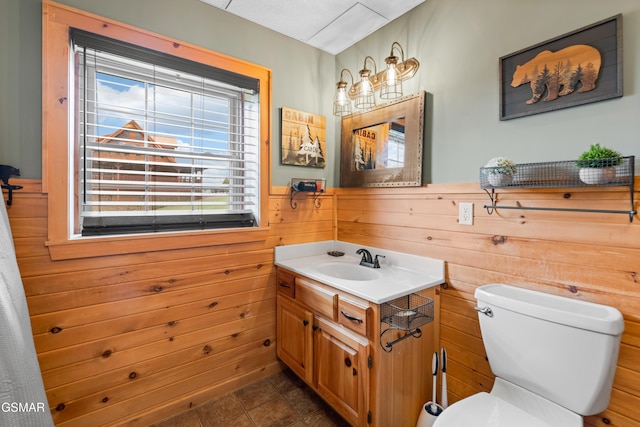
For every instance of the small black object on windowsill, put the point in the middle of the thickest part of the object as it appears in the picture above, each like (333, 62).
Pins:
(315, 186)
(6, 172)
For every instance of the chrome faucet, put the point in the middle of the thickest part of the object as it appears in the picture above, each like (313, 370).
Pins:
(367, 260)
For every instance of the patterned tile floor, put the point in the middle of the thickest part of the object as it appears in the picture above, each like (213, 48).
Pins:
(281, 400)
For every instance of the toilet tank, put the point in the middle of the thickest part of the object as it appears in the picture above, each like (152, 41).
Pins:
(562, 349)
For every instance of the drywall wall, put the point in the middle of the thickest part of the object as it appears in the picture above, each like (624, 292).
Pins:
(303, 76)
(459, 43)
(20, 86)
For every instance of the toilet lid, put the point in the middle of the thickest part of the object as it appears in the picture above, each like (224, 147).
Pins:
(486, 410)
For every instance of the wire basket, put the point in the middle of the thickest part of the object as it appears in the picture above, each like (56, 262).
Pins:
(407, 312)
(560, 174)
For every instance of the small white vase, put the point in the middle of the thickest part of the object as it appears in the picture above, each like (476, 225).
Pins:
(499, 179)
(597, 175)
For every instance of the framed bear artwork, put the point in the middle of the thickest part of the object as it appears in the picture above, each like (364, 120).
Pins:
(576, 68)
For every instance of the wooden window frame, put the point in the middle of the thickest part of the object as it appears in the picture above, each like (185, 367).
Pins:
(56, 157)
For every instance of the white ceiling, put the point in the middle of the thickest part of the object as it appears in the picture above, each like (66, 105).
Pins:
(330, 25)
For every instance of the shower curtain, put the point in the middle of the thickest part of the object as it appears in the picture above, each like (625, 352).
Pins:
(22, 398)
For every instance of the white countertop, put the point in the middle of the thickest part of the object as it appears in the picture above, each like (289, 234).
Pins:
(399, 273)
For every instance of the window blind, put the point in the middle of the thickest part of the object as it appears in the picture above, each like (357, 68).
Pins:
(163, 143)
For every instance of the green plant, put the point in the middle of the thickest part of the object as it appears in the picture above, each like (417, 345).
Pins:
(598, 157)
(500, 165)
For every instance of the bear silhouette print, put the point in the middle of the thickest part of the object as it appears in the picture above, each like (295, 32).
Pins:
(559, 73)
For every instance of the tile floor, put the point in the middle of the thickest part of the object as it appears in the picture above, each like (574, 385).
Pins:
(281, 400)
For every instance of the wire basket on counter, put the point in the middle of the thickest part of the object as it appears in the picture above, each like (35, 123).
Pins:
(408, 312)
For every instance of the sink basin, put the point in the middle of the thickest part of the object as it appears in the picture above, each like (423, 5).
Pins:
(348, 271)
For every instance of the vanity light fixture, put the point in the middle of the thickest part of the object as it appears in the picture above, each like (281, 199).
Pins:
(365, 95)
(388, 82)
(391, 86)
(342, 102)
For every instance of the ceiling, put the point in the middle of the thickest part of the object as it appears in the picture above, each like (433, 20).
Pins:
(329, 25)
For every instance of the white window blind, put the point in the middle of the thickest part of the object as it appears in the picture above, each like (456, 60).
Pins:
(162, 143)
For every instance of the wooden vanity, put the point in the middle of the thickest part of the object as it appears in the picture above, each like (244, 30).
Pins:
(336, 342)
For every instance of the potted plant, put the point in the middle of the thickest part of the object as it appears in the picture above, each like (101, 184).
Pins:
(598, 164)
(500, 171)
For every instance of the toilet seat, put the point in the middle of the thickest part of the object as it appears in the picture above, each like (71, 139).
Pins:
(486, 410)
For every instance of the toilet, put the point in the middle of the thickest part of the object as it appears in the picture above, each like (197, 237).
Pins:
(554, 359)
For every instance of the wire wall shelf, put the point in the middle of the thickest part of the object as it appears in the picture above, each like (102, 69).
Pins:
(601, 173)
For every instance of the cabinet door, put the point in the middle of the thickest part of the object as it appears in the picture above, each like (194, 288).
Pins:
(342, 376)
(295, 337)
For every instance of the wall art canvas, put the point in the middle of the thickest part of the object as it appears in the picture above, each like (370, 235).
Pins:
(577, 68)
(304, 140)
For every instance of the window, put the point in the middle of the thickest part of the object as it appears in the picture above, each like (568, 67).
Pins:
(162, 143)
(395, 145)
(196, 166)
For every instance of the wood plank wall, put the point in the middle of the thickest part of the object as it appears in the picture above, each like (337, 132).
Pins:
(589, 256)
(137, 338)
(134, 339)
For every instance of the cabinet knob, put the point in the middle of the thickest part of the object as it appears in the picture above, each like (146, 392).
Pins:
(305, 322)
(284, 285)
(315, 327)
(355, 372)
(347, 362)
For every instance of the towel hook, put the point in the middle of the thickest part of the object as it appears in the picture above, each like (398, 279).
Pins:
(6, 172)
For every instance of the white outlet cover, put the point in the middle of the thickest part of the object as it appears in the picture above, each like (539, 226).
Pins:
(465, 214)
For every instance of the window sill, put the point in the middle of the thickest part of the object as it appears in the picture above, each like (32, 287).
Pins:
(90, 247)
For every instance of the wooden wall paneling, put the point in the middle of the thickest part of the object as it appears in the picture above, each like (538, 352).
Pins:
(590, 256)
(508, 244)
(242, 303)
(31, 247)
(468, 378)
(182, 403)
(608, 419)
(131, 339)
(625, 404)
(112, 310)
(561, 268)
(173, 328)
(29, 241)
(615, 232)
(112, 304)
(101, 293)
(112, 357)
(241, 342)
(628, 380)
(78, 274)
(436, 210)
(292, 226)
(179, 371)
(560, 273)
(632, 333)
(29, 227)
(175, 388)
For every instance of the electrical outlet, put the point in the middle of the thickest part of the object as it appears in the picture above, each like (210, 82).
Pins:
(465, 214)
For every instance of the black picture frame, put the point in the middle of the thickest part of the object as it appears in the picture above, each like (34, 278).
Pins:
(605, 36)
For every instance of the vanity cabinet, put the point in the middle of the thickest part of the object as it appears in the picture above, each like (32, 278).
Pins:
(335, 342)
(294, 343)
(341, 372)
